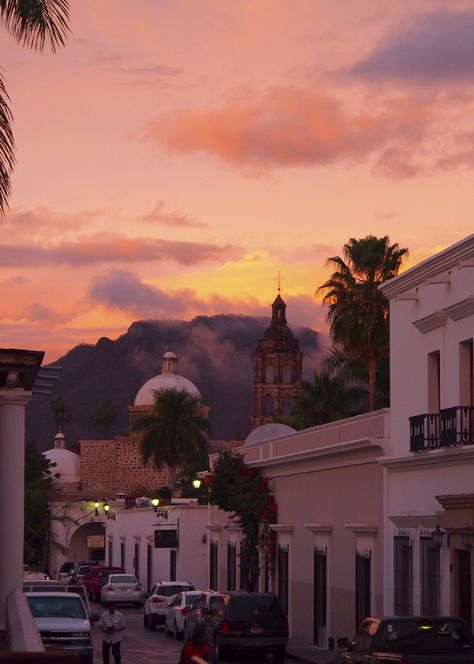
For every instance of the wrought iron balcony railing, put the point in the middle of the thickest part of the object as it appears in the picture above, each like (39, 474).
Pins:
(449, 427)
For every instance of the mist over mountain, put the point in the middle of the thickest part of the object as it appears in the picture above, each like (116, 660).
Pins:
(215, 352)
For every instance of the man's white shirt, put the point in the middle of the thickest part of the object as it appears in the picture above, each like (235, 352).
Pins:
(112, 620)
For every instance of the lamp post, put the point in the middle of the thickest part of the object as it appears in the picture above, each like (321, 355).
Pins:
(467, 538)
(197, 483)
(155, 502)
(437, 536)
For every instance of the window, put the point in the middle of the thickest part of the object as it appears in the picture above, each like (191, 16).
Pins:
(213, 576)
(122, 555)
(362, 586)
(283, 576)
(320, 597)
(136, 560)
(268, 404)
(286, 375)
(111, 552)
(285, 408)
(149, 566)
(269, 375)
(231, 566)
(403, 576)
(429, 569)
(466, 373)
(464, 584)
(434, 382)
(172, 565)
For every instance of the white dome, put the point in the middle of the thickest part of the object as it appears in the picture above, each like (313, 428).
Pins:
(146, 394)
(68, 466)
(268, 432)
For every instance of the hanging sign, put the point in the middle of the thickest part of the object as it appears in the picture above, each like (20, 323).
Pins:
(166, 538)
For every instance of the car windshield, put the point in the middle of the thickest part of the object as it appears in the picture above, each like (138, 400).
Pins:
(435, 635)
(168, 591)
(83, 569)
(57, 607)
(122, 578)
(254, 606)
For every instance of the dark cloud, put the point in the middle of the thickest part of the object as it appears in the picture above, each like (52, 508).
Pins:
(435, 47)
(159, 215)
(124, 290)
(41, 314)
(116, 249)
(397, 164)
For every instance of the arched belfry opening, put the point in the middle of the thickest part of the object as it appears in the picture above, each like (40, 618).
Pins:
(277, 368)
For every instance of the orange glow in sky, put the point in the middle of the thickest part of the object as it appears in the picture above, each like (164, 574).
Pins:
(177, 155)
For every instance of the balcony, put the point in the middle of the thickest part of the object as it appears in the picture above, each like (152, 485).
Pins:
(448, 428)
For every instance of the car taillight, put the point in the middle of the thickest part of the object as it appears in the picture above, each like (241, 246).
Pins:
(110, 587)
(157, 600)
(185, 611)
(285, 627)
(225, 628)
(138, 586)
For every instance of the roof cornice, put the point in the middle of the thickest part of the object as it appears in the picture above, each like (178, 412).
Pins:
(436, 264)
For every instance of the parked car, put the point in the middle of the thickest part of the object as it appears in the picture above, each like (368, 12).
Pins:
(77, 574)
(62, 622)
(156, 604)
(122, 588)
(411, 640)
(96, 578)
(56, 587)
(178, 609)
(247, 621)
(65, 570)
(198, 612)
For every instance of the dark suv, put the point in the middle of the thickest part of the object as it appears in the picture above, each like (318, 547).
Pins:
(247, 621)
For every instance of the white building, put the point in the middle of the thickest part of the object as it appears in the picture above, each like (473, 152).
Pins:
(429, 476)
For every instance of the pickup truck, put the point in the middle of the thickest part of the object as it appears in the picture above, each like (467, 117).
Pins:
(410, 640)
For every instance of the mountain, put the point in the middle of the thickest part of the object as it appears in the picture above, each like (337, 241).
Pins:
(215, 352)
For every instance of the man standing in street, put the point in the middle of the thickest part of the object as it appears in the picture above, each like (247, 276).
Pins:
(111, 624)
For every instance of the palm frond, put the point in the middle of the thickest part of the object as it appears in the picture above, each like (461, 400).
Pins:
(34, 22)
(7, 147)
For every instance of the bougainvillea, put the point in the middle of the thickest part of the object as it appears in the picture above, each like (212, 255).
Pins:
(245, 493)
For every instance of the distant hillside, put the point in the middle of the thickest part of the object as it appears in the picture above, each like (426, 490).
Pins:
(215, 352)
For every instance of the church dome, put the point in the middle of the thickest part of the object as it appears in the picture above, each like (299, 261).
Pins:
(167, 380)
(68, 464)
(268, 431)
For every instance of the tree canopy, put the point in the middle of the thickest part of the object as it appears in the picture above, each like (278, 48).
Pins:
(174, 433)
(357, 311)
(60, 411)
(102, 417)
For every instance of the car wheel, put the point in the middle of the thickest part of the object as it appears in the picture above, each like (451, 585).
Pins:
(280, 654)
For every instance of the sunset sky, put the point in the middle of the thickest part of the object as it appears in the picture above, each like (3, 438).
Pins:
(178, 154)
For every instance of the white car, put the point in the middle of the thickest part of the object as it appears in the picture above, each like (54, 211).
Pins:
(178, 609)
(122, 588)
(62, 622)
(156, 604)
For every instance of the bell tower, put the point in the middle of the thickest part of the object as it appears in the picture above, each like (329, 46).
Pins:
(277, 368)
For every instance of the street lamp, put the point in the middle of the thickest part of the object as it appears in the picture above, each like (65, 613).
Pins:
(106, 508)
(467, 538)
(197, 483)
(155, 502)
(437, 536)
(96, 507)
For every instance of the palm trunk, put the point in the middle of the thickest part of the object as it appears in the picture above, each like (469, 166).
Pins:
(172, 479)
(372, 382)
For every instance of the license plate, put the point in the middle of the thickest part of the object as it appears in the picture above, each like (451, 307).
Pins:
(256, 630)
(125, 590)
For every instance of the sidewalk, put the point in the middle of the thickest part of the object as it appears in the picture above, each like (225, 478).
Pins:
(303, 652)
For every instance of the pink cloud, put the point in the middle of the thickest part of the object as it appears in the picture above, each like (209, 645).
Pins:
(159, 215)
(287, 126)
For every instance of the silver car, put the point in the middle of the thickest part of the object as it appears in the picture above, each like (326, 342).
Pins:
(122, 588)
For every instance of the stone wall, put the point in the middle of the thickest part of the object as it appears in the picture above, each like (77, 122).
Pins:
(109, 466)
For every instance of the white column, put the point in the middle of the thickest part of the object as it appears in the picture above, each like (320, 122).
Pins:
(12, 471)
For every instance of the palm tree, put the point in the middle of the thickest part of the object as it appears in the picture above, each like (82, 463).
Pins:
(357, 311)
(326, 399)
(174, 433)
(61, 413)
(31, 23)
(102, 416)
